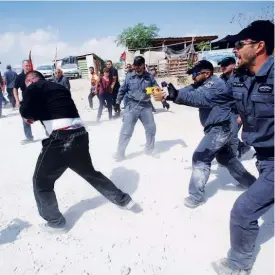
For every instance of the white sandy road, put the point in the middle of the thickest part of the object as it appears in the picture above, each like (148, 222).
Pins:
(165, 239)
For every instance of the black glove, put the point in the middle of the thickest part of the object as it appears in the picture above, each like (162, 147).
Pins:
(165, 104)
(117, 107)
(173, 92)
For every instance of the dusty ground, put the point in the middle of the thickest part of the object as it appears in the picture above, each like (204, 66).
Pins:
(165, 239)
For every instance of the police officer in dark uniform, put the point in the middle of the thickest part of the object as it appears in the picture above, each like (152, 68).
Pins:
(228, 68)
(138, 107)
(219, 141)
(254, 95)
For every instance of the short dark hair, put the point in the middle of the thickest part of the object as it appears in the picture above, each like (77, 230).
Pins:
(109, 61)
(36, 74)
(106, 70)
(91, 67)
(25, 60)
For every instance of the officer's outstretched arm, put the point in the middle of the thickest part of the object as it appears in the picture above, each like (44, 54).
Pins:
(122, 91)
(195, 97)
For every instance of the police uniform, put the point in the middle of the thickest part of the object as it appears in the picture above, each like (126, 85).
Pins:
(138, 107)
(242, 147)
(219, 141)
(254, 96)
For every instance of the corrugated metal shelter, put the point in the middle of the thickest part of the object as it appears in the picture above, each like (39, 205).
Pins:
(85, 61)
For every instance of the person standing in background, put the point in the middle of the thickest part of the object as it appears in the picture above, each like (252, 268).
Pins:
(2, 89)
(61, 79)
(20, 83)
(9, 81)
(94, 82)
(115, 84)
(104, 92)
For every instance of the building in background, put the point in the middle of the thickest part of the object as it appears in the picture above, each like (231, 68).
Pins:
(83, 62)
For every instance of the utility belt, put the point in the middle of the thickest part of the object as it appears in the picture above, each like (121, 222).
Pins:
(264, 153)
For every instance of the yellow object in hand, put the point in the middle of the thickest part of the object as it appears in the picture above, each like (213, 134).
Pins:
(152, 90)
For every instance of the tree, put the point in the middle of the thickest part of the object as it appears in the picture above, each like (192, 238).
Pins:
(139, 36)
(117, 65)
(204, 46)
(244, 19)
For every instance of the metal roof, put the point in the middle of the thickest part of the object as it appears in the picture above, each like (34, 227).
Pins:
(160, 40)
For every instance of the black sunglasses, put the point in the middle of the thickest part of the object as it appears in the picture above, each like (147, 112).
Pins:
(195, 74)
(240, 44)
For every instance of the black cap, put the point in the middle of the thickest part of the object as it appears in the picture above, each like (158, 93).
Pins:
(139, 60)
(227, 61)
(201, 65)
(260, 30)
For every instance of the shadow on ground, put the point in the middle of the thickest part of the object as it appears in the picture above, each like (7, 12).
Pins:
(125, 179)
(12, 231)
(160, 147)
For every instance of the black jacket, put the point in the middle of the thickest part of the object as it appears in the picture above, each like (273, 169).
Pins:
(45, 100)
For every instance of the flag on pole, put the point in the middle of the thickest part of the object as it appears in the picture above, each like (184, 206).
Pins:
(30, 61)
(55, 58)
(123, 57)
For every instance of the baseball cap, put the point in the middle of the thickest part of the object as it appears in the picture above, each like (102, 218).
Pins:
(201, 65)
(259, 30)
(139, 60)
(227, 61)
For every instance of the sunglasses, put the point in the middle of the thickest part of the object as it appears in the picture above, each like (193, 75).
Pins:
(240, 44)
(195, 74)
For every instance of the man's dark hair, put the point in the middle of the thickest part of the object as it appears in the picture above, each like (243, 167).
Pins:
(8, 67)
(25, 60)
(109, 61)
(36, 74)
(91, 67)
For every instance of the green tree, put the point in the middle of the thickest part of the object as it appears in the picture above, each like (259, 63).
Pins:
(139, 36)
(117, 65)
(204, 46)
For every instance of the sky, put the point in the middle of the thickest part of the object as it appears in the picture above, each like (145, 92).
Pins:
(77, 28)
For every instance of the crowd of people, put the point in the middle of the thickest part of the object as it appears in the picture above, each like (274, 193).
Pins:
(243, 95)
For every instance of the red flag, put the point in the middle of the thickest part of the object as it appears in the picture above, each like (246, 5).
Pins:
(30, 61)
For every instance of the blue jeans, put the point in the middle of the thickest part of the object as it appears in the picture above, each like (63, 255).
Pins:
(27, 130)
(248, 208)
(134, 112)
(220, 142)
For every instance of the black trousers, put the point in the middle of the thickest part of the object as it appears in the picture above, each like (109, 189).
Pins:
(62, 150)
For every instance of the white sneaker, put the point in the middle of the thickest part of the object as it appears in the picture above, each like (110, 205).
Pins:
(133, 206)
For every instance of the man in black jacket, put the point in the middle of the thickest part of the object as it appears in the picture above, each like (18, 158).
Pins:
(207, 94)
(66, 147)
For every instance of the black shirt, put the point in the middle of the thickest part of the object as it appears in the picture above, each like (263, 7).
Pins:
(20, 83)
(45, 100)
(114, 72)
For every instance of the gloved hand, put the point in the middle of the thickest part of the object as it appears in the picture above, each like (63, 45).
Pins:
(117, 107)
(165, 104)
(172, 92)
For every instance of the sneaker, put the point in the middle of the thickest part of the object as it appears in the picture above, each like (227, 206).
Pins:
(193, 203)
(46, 227)
(133, 206)
(119, 157)
(26, 141)
(222, 268)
